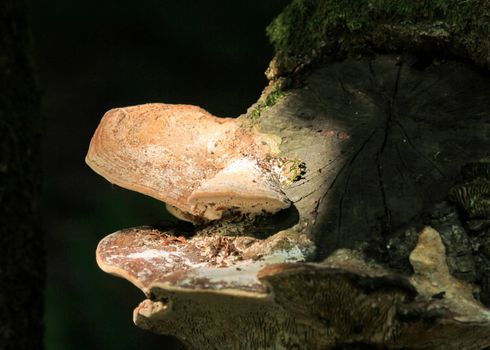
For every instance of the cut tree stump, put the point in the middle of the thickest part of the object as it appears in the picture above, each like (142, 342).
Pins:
(380, 143)
(380, 117)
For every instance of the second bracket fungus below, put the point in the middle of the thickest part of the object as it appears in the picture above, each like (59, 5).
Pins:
(200, 165)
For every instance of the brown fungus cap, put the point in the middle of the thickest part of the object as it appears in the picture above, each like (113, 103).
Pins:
(148, 256)
(200, 165)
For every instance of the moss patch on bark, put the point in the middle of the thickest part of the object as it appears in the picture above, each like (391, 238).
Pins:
(307, 30)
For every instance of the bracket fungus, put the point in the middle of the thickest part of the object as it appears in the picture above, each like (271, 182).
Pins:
(293, 304)
(363, 173)
(473, 193)
(201, 166)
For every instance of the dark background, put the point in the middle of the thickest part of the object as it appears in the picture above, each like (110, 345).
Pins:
(95, 55)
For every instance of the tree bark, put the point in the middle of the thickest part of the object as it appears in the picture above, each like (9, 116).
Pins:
(22, 260)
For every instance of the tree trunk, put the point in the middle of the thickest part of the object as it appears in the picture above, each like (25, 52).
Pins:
(22, 259)
(376, 117)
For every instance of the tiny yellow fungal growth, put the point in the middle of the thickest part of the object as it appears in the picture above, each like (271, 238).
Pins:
(295, 170)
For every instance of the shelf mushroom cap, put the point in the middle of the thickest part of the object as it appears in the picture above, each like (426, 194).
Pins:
(194, 284)
(242, 185)
(200, 165)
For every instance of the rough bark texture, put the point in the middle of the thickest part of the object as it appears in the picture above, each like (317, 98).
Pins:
(22, 258)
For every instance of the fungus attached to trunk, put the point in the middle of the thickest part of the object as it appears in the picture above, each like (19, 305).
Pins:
(206, 291)
(242, 185)
(381, 136)
(200, 165)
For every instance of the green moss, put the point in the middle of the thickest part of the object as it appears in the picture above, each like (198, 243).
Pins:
(273, 97)
(308, 29)
(255, 114)
(276, 93)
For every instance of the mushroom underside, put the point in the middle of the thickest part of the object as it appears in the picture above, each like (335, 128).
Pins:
(202, 296)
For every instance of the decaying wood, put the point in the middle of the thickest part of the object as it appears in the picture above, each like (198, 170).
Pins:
(382, 142)
(369, 147)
